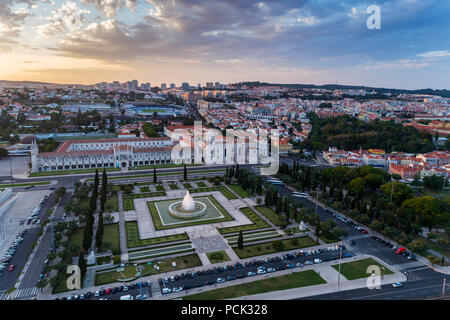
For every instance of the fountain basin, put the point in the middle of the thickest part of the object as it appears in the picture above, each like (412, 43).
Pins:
(178, 211)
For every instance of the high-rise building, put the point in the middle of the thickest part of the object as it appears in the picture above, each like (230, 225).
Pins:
(209, 85)
(163, 86)
(134, 84)
(185, 86)
(172, 86)
(217, 85)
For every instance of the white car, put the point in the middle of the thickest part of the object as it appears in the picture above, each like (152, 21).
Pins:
(220, 280)
(97, 293)
(317, 261)
(139, 297)
(177, 289)
(397, 285)
(166, 290)
(261, 271)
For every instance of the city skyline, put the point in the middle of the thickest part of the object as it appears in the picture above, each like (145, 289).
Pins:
(89, 41)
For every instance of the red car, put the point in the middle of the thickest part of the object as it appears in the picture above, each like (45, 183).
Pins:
(400, 250)
(108, 291)
(364, 231)
(11, 267)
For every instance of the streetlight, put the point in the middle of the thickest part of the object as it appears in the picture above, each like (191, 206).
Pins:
(340, 259)
(10, 169)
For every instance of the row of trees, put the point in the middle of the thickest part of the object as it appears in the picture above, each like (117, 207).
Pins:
(246, 179)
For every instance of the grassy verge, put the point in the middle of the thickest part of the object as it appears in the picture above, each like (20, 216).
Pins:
(239, 190)
(133, 240)
(112, 204)
(128, 203)
(183, 262)
(277, 219)
(218, 256)
(258, 223)
(25, 184)
(289, 281)
(274, 246)
(66, 172)
(358, 269)
(111, 236)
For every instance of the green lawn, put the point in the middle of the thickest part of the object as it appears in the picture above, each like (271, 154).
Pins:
(183, 262)
(134, 241)
(75, 171)
(187, 185)
(227, 193)
(111, 236)
(160, 187)
(200, 184)
(39, 183)
(159, 226)
(144, 189)
(128, 203)
(167, 165)
(358, 269)
(328, 239)
(239, 190)
(173, 186)
(277, 219)
(258, 223)
(112, 204)
(218, 256)
(289, 281)
(268, 247)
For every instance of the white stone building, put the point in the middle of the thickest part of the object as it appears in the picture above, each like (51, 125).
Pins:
(103, 153)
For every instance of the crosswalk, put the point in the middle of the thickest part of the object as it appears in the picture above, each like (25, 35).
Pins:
(4, 295)
(25, 293)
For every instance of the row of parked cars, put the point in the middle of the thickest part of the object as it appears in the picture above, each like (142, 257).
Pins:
(6, 259)
(398, 250)
(347, 221)
(261, 269)
(110, 291)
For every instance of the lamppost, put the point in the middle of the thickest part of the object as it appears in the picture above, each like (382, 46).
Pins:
(10, 170)
(340, 259)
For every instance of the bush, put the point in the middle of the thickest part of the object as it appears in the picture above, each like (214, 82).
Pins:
(294, 241)
(117, 259)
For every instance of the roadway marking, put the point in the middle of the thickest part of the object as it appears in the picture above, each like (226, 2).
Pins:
(25, 293)
(395, 292)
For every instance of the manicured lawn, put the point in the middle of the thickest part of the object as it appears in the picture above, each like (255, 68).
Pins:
(187, 185)
(75, 171)
(112, 204)
(159, 187)
(111, 236)
(239, 190)
(134, 241)
(128, 203)
(227, 193)
(358, 269)
(331, 239)
(258, 223)
(269, 247)
(277, 219)
(144, 189)
(183, 262)
(289, 281)
(218, 256)
(77, 238)
(40, 183)
(201, 184)
(159, 226)
(173, 186)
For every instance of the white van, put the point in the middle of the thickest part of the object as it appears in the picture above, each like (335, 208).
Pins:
(126, 297)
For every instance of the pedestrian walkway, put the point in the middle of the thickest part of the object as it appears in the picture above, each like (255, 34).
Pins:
(122, 229)
(4, 295)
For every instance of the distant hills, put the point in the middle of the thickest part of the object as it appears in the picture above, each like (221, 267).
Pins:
(438, 92)
(38, 84)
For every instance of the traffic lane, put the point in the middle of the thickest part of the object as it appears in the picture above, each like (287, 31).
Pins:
(380, 250)
(34, 270)
(116, 296)
(8, 278)
(324, 256)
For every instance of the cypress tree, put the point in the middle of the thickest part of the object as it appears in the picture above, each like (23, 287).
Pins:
(185, 172)
(82, 264)
(240, 241)
(279, 205)
(154, 174)
(103, 192)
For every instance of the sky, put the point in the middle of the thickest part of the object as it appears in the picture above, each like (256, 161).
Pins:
(198, 41)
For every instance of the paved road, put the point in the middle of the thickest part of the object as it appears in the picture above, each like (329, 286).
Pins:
(428, 283)
(31, 277)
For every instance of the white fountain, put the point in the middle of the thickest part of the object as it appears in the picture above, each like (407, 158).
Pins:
(188, 208)
(188, 203)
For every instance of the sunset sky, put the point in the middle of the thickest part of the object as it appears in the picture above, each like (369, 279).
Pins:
(290, 41)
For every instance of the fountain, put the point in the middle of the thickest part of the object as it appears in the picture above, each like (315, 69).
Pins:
(188, 208)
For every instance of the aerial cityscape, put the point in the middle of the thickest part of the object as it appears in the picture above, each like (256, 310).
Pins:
(149, 151)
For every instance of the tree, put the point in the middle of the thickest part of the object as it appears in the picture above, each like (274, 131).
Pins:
(82, 264)
(99, 233)
(185, 172)
(400, 191)
(240, 241)
(433, 260)
(433, 182)
(103, 192)
(428, 210)
(154, 175)
(3, 153)
(418, 246)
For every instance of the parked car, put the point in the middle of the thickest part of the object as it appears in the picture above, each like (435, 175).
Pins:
(397, 285)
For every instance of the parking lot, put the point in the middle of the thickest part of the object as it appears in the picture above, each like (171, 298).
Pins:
(22, 208)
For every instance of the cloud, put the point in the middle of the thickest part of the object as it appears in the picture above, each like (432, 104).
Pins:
(435, 54)
(67, 18)
(110, 7)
